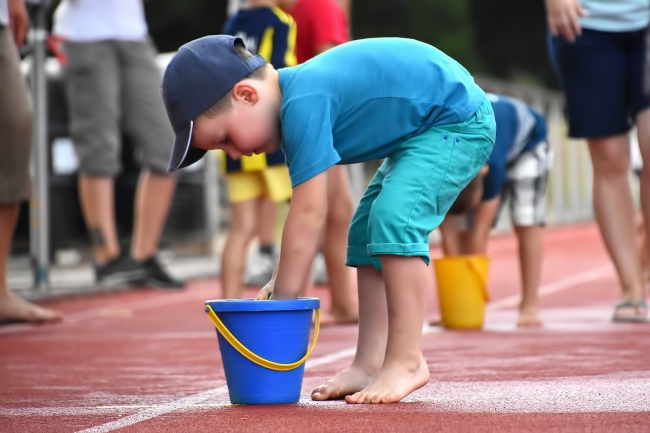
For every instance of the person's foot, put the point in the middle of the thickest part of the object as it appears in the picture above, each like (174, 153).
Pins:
(260, 270)
(347, 382)
(393, 382)
(155, 275)
(631, 311)
(15, 309)
(339, 317)
(529, 318)
(121, 270)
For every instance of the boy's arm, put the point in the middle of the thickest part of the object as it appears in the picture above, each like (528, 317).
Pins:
(300, 236)
(450, 236)
(484, 217)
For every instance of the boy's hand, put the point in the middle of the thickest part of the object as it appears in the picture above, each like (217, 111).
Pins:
(563, 18)
(266, 292)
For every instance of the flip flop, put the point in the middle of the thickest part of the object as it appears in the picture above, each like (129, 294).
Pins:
(640, 312)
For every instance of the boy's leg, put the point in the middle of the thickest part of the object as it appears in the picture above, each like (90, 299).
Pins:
(425, 176)
(345, 308)
(526, 187)
(530, 264)
(244, 191)
(404, 369)
(373, 313)
(260, 270)
(12, 308)
(371, 344)
(233, 259)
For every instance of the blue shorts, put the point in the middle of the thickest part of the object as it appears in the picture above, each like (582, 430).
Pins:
(414, 188)
(602, 77)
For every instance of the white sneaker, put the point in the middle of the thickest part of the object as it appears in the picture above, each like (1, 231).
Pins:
(260, 270)
(319, 270)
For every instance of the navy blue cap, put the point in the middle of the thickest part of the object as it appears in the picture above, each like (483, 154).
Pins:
(197, 77)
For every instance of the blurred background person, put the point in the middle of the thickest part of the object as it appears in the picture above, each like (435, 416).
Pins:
(112, 83)
(322, 25)
(598, 49)
(517, 171)
(15, 145)
(257, 183)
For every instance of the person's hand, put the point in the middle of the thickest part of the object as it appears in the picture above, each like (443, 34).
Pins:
(266, 292)
(563, 18)
(18, 20)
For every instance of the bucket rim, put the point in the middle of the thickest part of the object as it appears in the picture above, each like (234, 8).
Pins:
(250, 304)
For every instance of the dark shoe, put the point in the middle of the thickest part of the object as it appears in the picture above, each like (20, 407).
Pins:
(121, 270)
(157, 276)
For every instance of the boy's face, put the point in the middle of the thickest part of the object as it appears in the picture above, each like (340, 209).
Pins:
(250, 126)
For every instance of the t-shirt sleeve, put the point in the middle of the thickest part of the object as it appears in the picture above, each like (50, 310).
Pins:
(330, 24)
(307, 139)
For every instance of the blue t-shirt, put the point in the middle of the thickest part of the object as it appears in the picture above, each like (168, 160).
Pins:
(360, 100)
(519, 129)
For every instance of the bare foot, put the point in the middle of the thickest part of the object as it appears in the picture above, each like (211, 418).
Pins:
(347, 382)
(529, 318)
(334, 318)
(14, 309)
(393, 383)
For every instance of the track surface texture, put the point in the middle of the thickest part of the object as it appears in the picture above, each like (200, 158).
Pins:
(148, 361)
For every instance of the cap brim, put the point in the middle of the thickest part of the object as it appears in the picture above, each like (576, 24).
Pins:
(183, 154)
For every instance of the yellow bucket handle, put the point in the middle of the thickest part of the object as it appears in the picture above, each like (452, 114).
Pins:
(481, 277)
(246, 353)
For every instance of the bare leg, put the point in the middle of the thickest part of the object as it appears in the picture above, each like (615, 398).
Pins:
(614, 209)
(345, 308)
(233, 259)
(530, 262)
(153, 198)
(371, 344)
(267, 222)
(404, 369)
(96, 194)
(12, 308)
(643, 127)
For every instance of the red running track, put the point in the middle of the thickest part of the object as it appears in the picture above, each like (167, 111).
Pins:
(148, 361)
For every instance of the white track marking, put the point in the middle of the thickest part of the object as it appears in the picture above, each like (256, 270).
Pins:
(557, 286)
(197, 399)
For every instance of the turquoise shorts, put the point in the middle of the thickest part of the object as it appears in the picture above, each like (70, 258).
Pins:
(415, 187)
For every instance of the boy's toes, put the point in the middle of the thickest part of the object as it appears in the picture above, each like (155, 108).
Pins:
(321, 393)
(354, 398)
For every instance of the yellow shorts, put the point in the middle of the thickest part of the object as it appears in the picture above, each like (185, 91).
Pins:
(273, 183)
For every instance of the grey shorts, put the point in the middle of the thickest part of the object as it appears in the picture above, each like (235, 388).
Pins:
(113, 87)
(525, 189)
(15, 125)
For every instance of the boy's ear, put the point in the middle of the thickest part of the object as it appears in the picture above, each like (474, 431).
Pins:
(244, 92)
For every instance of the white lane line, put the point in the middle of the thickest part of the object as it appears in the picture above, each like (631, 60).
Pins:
(197, 399)
(557, 286)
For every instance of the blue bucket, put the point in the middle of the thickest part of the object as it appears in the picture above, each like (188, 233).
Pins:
(264, 346)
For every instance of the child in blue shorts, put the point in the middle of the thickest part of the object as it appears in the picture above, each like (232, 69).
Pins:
(394, 99)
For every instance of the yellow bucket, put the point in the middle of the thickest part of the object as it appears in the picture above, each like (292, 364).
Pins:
(462, 290)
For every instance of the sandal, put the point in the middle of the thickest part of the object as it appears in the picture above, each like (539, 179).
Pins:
(639, 312)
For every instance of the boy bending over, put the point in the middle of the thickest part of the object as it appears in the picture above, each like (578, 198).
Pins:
(390, 98)
(517, 169)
